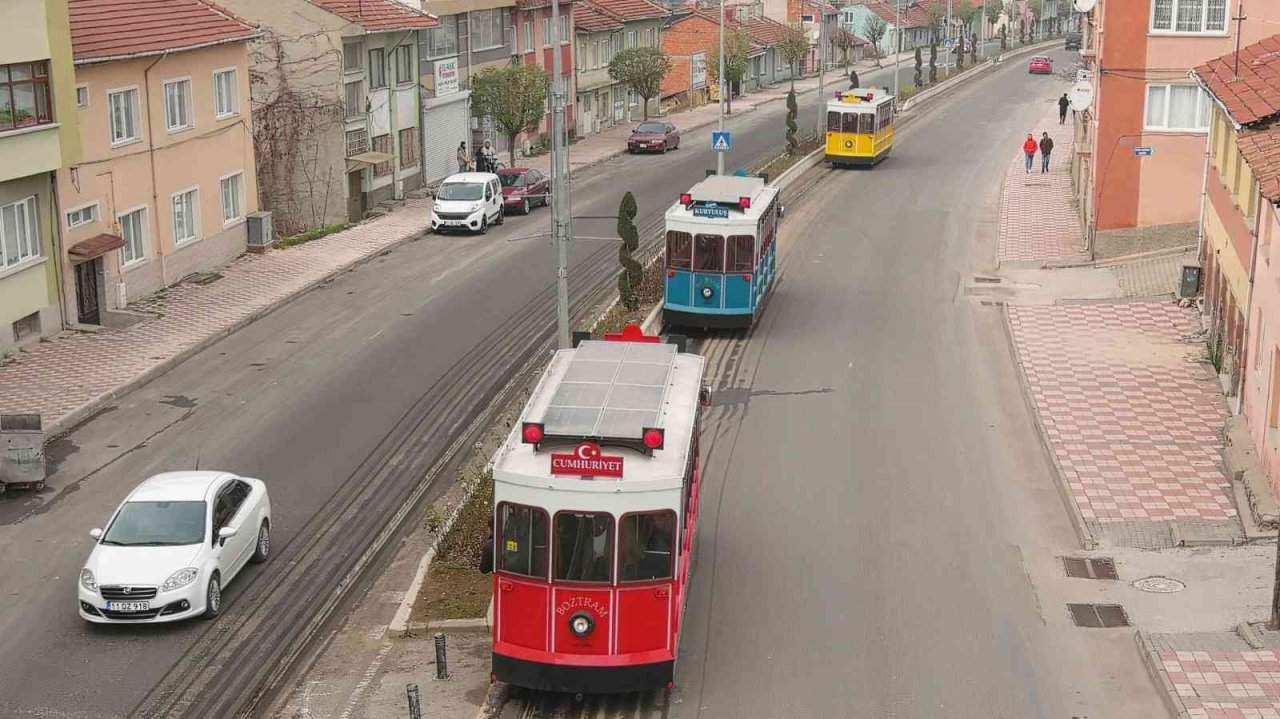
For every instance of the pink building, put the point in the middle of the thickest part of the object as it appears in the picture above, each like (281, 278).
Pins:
(533, 47)
(167, 177)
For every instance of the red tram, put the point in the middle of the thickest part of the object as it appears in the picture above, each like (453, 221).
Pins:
(595, 506)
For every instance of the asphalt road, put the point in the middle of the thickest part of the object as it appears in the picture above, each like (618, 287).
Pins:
(880, 526)
(341, 402)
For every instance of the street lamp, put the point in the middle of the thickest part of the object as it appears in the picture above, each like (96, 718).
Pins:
(559, 184)
(897, 44)
(723, 86)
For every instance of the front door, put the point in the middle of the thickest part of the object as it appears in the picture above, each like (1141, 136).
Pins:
(355, 196)
(87, 292)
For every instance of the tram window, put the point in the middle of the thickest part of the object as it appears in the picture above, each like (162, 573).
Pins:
(866, 124)
(741, 253)
(850, 122)
(523, 549)
(708, 253)
(646, 546)
(679, 250)
(833, 121)
(584, 547)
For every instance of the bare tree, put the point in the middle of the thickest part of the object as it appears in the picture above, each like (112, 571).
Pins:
(875, 30)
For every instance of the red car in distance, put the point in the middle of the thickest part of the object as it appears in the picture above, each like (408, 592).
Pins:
(653, 136)
(1040, 66)
(523, 189)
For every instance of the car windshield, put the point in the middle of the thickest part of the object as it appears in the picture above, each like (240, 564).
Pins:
(511, 179)
(461, 191)
(157, 524)
(651, 127)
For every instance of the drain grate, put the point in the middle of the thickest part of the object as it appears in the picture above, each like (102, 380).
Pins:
(1098, 616)
(990, 280)
(1085, 568)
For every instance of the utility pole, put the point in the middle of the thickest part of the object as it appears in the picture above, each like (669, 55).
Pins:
(897, 44)
(982, 26)
(723, 87)
(822, 68)
(949, 29)
(559, 183)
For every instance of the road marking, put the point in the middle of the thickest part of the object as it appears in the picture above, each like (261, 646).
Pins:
(358, 693)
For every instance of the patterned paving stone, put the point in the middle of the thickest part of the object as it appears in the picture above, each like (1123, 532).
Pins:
(1037, 218)
(1132, 417)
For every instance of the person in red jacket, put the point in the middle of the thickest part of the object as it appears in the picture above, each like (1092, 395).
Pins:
(1029, 149)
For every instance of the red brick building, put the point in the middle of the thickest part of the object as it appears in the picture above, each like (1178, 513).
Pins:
(696, 36)
(533, 46)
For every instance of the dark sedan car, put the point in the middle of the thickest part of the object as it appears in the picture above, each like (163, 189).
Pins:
(1073, 41)
(523, 189)
(653, 137)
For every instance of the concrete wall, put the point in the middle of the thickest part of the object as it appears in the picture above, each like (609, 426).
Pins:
(31, 286)
(1262, 375)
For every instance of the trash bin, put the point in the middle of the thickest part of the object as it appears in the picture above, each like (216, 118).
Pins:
(1189, 286)
(21, 451)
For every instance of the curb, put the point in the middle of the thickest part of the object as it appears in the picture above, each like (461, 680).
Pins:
(1083, 535)
(1160, 677)
(1122, 259)
(85, 411)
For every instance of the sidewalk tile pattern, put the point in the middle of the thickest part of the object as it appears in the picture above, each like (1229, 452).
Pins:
(56, 377)
(1150, 276)
(1132, 416)
(1037, 219)
(1225, 684)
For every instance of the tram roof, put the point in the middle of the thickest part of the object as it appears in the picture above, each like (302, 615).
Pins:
(856, 97)
(724, 192)
(610, 392)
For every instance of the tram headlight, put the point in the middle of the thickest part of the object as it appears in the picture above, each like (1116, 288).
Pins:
(848, 144)
(707, 292)
(581, 624)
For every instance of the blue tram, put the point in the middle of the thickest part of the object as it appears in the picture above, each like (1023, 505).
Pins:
(720, 253)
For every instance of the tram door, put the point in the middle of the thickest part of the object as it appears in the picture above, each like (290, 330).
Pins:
(646, 595)
(522, 598)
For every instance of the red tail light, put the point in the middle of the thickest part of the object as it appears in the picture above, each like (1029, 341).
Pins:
(531, 432)
(654, 438)
(686, 199)
(744, 203)
(671, 273)
(747, 277)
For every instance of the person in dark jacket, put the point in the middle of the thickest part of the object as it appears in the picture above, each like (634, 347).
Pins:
(1046, 148)
(1063, 104)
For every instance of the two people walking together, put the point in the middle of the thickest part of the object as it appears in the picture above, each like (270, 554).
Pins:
(1045, 146)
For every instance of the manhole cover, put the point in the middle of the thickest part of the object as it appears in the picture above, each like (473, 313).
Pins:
(1159, 585)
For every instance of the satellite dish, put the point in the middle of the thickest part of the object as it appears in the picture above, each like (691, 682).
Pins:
(1085, 5)
(1081, 96)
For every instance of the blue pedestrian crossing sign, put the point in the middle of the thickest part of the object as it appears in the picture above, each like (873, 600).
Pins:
(720, 141)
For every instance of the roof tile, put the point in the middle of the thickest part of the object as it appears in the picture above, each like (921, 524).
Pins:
(1254, 93)
(590, 17)
(377, 15)
(634, 9)
(1261, 149)
(106, 29)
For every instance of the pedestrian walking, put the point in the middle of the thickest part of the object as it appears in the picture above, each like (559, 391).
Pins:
(463, 163)
(1029, 148)
(1046, 149)
(1063, 104)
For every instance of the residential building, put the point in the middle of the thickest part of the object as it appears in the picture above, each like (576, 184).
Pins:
(472, 35)
(818, 19)
(691, 39)
(906, 28)
(336, 104)
(1143, 141)
(533, 46)
(38, 134)
(1242, 185)
(605, 28)
(767, 65)
(167, 176)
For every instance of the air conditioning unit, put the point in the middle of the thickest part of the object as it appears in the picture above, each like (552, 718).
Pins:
(260, 237)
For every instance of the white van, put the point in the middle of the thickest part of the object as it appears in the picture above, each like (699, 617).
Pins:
(468, 202)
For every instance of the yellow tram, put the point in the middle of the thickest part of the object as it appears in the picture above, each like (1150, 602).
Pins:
(859, 126)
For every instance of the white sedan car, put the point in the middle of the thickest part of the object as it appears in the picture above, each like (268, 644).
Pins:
(172, 545)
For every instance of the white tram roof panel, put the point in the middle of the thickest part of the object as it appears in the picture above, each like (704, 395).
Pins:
(879, 96)
(611, 390)
(724, 191)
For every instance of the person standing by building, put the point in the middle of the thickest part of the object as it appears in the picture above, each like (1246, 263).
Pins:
(463, 162)
(1046, 149)
(1029, 148)
(1063, 104)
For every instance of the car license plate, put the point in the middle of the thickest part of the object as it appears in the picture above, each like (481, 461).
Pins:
(129, 606)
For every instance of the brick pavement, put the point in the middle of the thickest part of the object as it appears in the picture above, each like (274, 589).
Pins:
(57, 377)
(1037, 219)
(1131, 415)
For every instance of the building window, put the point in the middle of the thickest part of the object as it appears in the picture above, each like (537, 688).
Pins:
(408, 147)
(528, 35)
(1189, 16)
(804, 19)
(19, 232)
(377, 68)
(595, 54)
(177, 105)
(633, 39)
(133, 229)
(617, 44)
(354, 99)
(82, 96)
(357, 142)
(382, 143)
(486, 29)
(1176, 107)
(226, 94)
(546, 32)
(24, 95)
(404, 65)
(123, 106)
(564, 29)
(232, 197)
(185, 209)
(648, 39)
(82, 216)
(351, 54)
(442, 41)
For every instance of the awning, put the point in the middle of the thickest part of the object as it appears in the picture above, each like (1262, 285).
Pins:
(371, 158)
(96, 246)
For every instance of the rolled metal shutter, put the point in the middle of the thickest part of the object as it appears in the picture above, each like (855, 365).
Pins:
(446, 126)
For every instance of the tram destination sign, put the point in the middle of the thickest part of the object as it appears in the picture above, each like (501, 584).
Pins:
(715, 211)
(587, 461)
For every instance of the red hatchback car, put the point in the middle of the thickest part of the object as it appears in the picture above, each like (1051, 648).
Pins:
(523, 189)
(1040, 66)
(653, 137)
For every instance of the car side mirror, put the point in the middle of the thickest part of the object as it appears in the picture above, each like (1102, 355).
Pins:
(226, 533)
(782, 211)
(95, 533)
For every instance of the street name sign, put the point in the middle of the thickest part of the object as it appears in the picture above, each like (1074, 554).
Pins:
(1143, 152)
